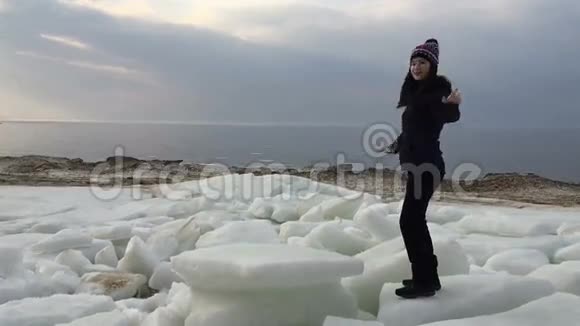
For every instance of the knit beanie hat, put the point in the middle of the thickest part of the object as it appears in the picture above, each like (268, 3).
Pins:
(429, 51)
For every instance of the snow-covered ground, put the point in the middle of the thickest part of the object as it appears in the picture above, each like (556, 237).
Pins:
(244, 250)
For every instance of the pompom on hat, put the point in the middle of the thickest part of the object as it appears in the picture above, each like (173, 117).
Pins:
(428, 50)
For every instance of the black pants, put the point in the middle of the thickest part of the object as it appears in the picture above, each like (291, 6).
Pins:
(421, 185)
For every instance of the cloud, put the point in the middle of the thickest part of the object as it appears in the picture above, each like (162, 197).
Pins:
(3, 5)
(223, 123)
(123, 8)
(291, 61)
(66, 41)
(200, 74)
(27, 106)
(269, 21)
(116, 71)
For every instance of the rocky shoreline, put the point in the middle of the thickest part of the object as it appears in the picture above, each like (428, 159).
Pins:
(128, 171)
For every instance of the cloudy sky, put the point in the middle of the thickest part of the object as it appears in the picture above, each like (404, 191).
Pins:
(281, 61)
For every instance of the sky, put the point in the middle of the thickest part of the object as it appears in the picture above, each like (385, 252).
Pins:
(322, 62)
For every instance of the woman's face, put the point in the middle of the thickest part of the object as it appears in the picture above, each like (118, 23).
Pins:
(420, 68)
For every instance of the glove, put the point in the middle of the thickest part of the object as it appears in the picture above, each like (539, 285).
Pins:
(393, 148)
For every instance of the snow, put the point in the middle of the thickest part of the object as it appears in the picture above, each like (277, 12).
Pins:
(366, 316)
(10, 262)
(212, 219)
(150, 307)
(240, 232)
(241, 187)
(49, 267)
(374, 219)
(47, 227)
(29, 284)
(163, 317)
(179, 299)
(138, 258)
(482, 246)
(568, 253)
(184, 232)
(339, 207)
(64, 239)
(565, 278)
(261, 208)
(569, 228)
(163, 277)
(163, 244)
(21, 240)
(339, 237)
(296, 229)
(504, 225)
(282, 307)
(517, 261)
(273, 250)
(145, 305)
(107, 256)
(260, 266)
(389, 263)
(283, 214)
(96, 245)
(190, 207)
(52, 310)
(571, 264)
(474, 269)
(74, 259)
(113, 232)
(113, 318)
(510, 221)
(556, 309)
(314, 214)
(442, 214)
(462, 296)
(337, 321)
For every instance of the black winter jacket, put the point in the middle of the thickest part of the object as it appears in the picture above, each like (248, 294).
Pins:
(422, 122)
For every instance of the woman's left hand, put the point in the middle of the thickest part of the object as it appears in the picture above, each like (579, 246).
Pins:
(453, 98)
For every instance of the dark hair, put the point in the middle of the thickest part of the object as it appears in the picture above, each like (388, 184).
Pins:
(410, 85)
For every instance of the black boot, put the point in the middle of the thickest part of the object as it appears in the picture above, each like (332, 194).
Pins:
(416, 290)
(409, 282)
(425, 280)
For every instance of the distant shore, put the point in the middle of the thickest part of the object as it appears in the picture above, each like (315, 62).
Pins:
(55, 171)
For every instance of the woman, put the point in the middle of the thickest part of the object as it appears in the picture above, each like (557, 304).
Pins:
(429, 104)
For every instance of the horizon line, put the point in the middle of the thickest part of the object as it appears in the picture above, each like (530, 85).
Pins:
(257, 124)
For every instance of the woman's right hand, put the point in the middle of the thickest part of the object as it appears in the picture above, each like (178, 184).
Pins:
(453, 98)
